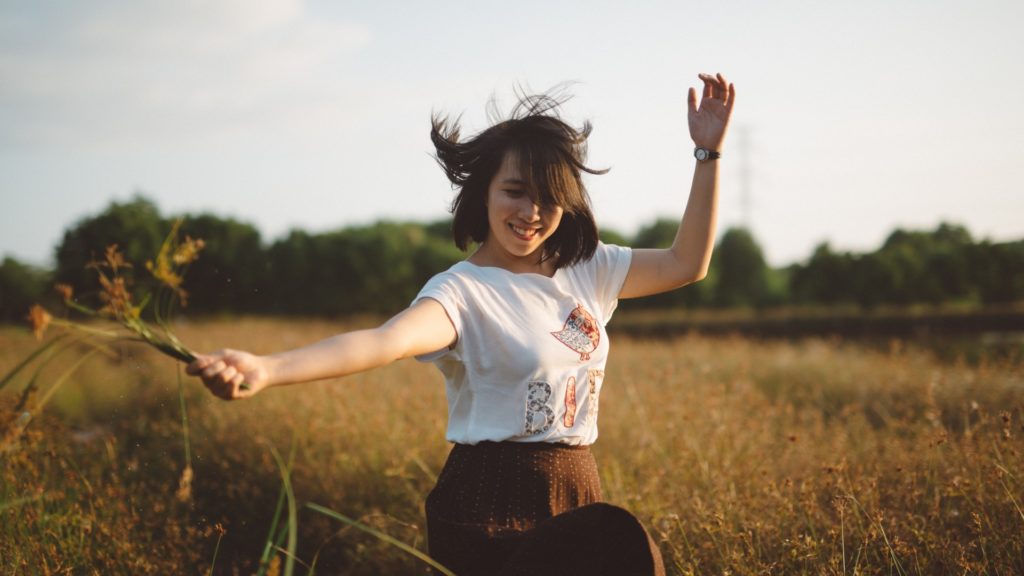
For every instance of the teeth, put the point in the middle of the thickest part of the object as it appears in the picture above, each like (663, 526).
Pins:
(528, 232)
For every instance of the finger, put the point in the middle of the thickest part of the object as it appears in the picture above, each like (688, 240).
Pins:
(210, 371)
(227, 374)
(197, 365)
(225, 392)
(715, 89)
(219, 389)
(691, 100)
(721, 87)
(236, 385)
(732, 97)
(707, 85)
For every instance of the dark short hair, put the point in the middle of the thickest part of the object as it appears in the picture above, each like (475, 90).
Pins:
(550, 154)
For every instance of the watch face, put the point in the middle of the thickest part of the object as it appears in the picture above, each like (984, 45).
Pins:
(701, 154)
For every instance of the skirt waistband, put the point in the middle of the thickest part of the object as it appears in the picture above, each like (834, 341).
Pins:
(524, 446)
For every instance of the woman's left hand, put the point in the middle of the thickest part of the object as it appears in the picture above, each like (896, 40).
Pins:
(710, 119)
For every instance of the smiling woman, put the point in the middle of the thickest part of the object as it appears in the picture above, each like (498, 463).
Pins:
(518, 330)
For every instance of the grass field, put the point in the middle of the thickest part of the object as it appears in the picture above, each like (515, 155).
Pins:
(741, 457)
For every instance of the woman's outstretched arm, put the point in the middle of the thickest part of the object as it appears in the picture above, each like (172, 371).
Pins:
(658, 270)
(420, 329)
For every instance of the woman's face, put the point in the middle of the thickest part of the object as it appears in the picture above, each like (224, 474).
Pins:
(518, 226)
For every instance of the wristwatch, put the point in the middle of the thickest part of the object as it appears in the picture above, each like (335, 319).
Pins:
(702, 154)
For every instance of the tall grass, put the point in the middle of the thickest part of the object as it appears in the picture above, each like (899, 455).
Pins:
(741, 457)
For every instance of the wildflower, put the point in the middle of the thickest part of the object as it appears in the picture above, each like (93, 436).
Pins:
(115, 259)
(184, 493)
(274, 569)
(188, 251)
(173, 255)
(164, 272)
(39, 318)
(66, 291)
(117, 297)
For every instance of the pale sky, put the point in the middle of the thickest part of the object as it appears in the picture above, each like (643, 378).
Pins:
(852, 118)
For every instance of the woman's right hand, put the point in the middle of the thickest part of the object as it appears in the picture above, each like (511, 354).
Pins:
(231, 374)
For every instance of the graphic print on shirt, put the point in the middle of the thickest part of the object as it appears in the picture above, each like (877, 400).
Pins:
(570, 403)
(539, 416)
(592, 377)
(580, 332)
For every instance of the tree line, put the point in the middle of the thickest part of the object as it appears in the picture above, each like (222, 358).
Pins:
(379, 268)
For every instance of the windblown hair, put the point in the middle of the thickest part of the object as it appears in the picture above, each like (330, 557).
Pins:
(550, 155)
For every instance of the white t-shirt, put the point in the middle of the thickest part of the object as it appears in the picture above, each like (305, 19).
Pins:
(531, 350)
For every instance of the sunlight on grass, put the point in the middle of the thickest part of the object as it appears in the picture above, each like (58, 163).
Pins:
(746, 457)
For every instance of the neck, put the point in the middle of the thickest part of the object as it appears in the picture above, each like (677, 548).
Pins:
(534, 263)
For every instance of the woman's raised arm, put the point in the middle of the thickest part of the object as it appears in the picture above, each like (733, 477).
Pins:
(419, 329)
(658, 270)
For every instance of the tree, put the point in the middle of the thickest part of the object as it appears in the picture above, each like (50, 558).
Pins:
(21, 286)
(998, 270)
(927, 266)
(609, 236)
(825, 279)
(910, 267)
(742, 274)
(948, 264)
(135, 226)
(370, 269)
(659, 234)
(231, 267)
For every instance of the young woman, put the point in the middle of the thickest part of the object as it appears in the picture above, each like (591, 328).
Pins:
(517, 329)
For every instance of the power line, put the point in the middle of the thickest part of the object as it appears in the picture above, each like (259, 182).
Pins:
(745, 175)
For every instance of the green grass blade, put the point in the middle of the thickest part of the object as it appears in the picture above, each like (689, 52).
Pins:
(28, 360)
(885, 538)
(1010, 492)
(29, 388)
(273, 542)
(19, 502)
(51, 354)
(216, 550)
(268, 548)
(64, 378)
(72, 305)
(386, 538)
(85, 329)
(47, 358)
(293, 520)
(26, 417)
(184, 419)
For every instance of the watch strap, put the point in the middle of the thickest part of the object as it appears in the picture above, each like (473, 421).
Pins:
(701, 153)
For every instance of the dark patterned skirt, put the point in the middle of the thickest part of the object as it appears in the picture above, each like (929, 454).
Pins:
(511, 508)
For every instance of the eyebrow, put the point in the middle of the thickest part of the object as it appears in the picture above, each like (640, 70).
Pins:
(514, 181)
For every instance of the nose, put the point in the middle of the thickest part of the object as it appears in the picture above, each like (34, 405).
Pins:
(529, 210)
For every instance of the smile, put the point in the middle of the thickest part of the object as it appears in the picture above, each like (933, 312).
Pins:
(524, 233)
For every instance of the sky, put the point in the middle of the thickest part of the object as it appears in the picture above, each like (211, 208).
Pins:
(851, 119)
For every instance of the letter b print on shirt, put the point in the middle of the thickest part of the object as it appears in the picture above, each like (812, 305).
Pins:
(539, 416)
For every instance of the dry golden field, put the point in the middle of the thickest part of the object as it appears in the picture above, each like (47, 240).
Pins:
(741, 456)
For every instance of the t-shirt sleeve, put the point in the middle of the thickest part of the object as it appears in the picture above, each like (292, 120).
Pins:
(611, 264)
(442, 288)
